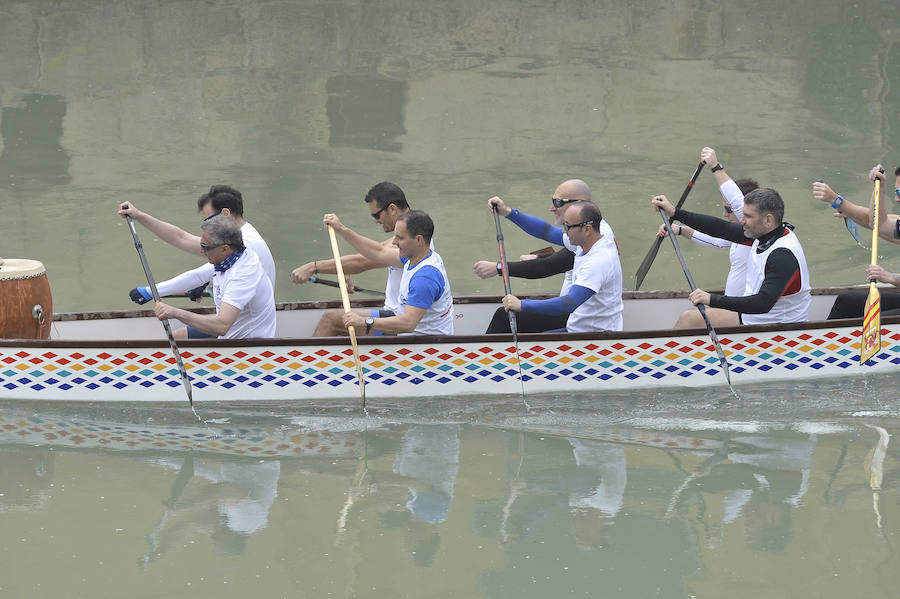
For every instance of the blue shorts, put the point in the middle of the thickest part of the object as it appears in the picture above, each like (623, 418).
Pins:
(195, 334)
(380, 313)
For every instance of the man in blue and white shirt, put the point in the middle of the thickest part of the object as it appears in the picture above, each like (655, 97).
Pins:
(426, 303)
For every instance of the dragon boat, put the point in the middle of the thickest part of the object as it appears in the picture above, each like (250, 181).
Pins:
(123, 356)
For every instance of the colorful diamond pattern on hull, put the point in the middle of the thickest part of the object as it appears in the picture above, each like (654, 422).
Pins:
(416, 370)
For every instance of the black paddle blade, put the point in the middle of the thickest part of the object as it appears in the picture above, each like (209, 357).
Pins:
(644, 268)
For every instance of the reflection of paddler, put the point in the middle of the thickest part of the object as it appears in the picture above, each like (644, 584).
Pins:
(874, 467)
(26, 306)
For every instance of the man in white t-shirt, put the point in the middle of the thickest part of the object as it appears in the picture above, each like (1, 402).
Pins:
(245, 303)
(593, 301)
(220, 199)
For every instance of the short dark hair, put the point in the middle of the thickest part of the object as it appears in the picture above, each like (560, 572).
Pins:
(746, 185)
(386, 193)
(221, 197)
(418, 223)
(588, 211)
(897, 172)
(767, 201)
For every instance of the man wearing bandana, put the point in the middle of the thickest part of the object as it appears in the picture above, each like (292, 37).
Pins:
(245, 302)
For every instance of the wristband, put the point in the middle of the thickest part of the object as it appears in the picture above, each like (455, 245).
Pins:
(719, 166)
(836, 204)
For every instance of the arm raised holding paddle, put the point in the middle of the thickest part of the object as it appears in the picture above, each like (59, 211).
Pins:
(368, 248)
(777, 285)
(426, 302)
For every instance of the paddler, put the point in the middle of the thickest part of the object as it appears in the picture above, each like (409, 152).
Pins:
(426, 302)
(386, 203)
(531, 267)
(593, 300)
(777, 288)
(245, 302)
(220, 199)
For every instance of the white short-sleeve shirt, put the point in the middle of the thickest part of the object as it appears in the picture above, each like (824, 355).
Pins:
(600, 271)
(246, 287)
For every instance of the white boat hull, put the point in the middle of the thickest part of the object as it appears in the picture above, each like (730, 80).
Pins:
(135, 370)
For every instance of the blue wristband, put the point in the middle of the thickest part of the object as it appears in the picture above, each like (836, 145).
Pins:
(837, 202)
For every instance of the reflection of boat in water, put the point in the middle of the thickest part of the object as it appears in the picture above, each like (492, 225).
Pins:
(619, 435)
(76, 432)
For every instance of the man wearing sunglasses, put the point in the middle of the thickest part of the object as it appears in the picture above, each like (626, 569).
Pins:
(777, 286)
(426, 302)
(242, 291)
(387, 204)
(733, 193)
(539, 267)
(220, 199)
(593, 300)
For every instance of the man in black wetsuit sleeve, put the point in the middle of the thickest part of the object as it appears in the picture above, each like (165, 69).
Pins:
(777, 284)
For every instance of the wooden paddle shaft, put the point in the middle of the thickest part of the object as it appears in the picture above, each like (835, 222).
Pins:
(345, 299)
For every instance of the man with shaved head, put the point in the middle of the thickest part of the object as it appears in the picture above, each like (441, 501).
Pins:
(539, 267)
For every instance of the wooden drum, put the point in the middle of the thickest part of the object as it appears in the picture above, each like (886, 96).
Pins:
(26, 306)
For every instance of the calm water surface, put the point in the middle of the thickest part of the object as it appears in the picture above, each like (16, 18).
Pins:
(305, 105)
(790, 492)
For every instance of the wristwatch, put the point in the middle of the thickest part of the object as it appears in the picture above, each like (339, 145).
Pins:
(369, 323)
(719, 166)
(836, 204)
(499, 268)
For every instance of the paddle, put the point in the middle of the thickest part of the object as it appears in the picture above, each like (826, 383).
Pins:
(345, 298)
(191, 296)
(504, 271)
(853, 228)
(152, 284)
(870, 339)
(329, 283)
(644, 268)
(687, 273)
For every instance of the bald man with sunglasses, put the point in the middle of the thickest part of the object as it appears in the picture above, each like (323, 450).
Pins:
(592, 299)
(565, 195)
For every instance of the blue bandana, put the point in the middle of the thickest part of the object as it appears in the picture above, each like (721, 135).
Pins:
(229, 261)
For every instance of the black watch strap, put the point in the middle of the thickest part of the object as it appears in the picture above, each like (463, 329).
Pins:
(719, 166)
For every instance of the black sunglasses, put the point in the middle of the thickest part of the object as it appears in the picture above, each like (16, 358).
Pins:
(375, 215)
(728, 209)
(560, 202)
(205, 248)
(212, 216)
(581, 224)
